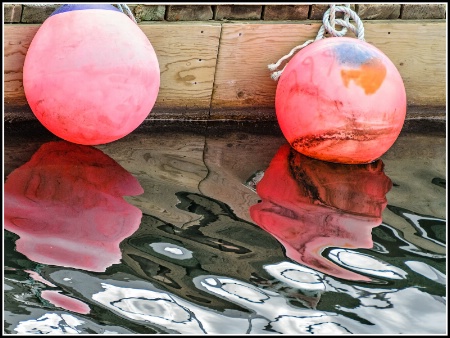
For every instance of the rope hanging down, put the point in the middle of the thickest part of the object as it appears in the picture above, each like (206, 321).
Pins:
(119, 6)
(127, 10)
(328, 26)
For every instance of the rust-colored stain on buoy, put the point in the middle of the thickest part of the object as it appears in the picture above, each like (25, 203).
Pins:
(341, 100)
(369, 76)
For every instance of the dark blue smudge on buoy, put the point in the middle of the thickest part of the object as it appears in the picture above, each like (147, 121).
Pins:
(74, 7)
(352, 54)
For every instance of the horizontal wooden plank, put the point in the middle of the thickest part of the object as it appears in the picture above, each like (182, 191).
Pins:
(17, 39)
(186, 54)
(417, 48)
(242, 77)
(207, 68)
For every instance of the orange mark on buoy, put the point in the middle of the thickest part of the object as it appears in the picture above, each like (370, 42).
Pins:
(369, 76)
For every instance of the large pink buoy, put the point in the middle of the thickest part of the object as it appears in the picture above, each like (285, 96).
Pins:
(90, 76)
(341, 100)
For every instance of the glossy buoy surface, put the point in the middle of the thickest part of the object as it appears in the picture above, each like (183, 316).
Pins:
(90, 76)
(341, 100)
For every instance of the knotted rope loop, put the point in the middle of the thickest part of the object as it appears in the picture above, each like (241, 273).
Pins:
(329, 22)
(328, 26)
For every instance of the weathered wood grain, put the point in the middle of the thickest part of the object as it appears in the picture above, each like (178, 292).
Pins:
(186, 54)
(242, 77)
(207, 68)
(417, 49)
(17, 39)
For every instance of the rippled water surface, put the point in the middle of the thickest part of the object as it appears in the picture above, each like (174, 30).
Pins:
(214, 229)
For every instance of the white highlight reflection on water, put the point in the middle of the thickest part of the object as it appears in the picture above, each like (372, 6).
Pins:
(297, 276)
(168, 311)
(171, 250)
(427, 271)
(365, 264)
(50, 323)
(405, 311)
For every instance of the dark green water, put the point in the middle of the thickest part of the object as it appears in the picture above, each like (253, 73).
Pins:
(163, 232)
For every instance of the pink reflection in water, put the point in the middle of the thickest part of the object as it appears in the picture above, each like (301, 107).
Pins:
(66, 302)
(310, 205)
(67, 206)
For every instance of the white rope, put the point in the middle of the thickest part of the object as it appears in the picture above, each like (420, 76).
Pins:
(348, 13)
(328, 26)
(274, 66)
(127, 10)
(121, 7)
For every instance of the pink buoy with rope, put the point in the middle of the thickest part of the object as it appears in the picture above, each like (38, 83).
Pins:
(340, 99)
(91, 76)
